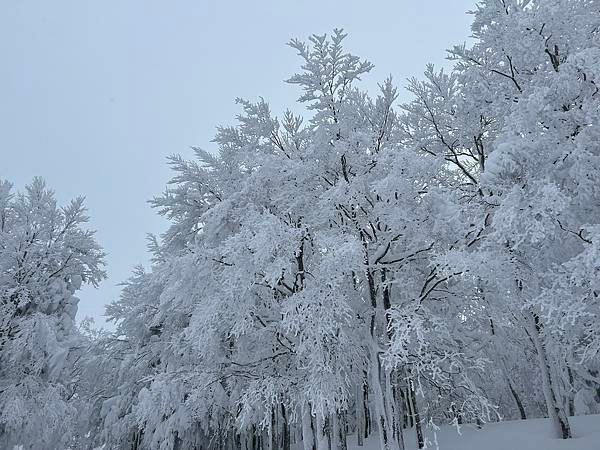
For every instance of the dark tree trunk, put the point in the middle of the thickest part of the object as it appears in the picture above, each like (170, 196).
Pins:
(286, 429)
(416, 415)
(517, 401)
(368, 423)
(360, 415)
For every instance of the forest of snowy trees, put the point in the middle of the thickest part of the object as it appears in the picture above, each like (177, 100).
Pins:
(368, 269)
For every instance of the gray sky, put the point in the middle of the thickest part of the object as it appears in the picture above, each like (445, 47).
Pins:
(95, 94)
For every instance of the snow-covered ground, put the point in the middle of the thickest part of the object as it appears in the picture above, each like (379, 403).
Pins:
(515, 435)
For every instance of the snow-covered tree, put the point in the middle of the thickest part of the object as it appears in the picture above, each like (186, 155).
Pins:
(375, 267)
(530, 83)
(45, 257)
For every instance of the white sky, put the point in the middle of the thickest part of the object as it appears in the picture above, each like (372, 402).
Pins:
(95, 94)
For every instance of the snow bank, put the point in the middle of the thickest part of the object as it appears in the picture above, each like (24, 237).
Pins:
(515, 435)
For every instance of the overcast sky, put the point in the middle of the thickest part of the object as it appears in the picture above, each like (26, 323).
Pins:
(94, 95)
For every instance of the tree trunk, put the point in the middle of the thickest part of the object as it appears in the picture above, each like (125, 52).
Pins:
(409, 413)
(273, 431)
(386, 433)
(504, 371)
(416, 416)
(255, 439)
(360, 414)
(560, 421)
(338, 431)
(285, 432)
(368, 422)
(244, 440)
(322, 438)
(308, 435)
(344, 430)
(517, 399)
(570, 391)
(137, 439)
(393, 407)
